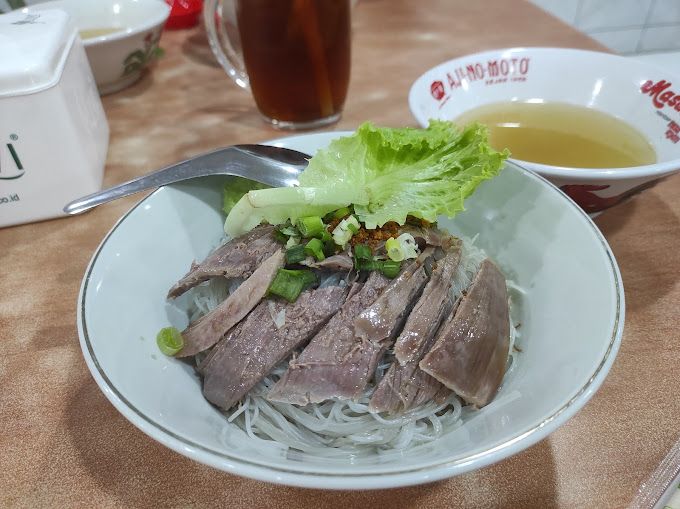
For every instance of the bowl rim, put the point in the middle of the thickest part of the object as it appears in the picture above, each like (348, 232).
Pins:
(658, 169)
(655, 170)
(406, 477)
(160, 16)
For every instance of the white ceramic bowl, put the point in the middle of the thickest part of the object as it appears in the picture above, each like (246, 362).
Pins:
(118, 58)
(615, 85)
(572, 320)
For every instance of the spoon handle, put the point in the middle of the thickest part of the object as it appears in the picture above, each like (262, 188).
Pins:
(194, 167)
(250, 161)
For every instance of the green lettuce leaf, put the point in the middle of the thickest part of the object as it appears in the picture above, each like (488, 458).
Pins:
(235, 188)
(385, 173)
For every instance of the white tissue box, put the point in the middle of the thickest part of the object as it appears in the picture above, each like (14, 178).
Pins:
(53, 131)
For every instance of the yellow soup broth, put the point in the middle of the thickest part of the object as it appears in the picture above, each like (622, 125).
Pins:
(562, 135)
(97, 32)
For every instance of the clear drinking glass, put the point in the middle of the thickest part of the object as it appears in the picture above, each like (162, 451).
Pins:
(293, 55)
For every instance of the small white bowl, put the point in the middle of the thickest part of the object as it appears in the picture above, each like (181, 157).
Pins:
(608, 83)
(572, 319)
(117, 58)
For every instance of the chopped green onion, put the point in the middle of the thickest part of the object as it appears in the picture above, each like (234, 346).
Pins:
(325, 236)
(310, 226)
(403, 247)
(295, 254)
(169, 340)
(329, 247)
(339, 214)
(363, 252)
(394, 250)
(308, 278)
(344, 231)
(292, 241)
(368, 265)
(409, 244)
(315, 248)
(341, 236)
(390, 268)
(280, 237)
(290, 230)
(290, 283)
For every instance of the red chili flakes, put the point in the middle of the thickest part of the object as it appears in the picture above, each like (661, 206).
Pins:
(374, 237)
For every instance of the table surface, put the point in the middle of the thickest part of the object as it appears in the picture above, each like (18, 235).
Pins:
(63, 444)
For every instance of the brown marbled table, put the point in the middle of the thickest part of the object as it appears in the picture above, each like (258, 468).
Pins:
(62, 444)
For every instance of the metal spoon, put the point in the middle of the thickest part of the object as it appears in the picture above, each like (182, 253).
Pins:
(274, 166)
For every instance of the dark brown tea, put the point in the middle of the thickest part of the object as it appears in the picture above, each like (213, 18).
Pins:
(297, 56)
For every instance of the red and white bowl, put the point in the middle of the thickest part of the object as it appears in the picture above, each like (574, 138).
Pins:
(644, 96)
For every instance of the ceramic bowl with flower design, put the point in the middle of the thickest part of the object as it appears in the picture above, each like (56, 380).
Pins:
(120, 36)
(643, 96)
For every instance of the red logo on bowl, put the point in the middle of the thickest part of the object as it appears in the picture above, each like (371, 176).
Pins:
(673, 132)
(492, 72)
(663, 96)
(660, 94)
(437, 90)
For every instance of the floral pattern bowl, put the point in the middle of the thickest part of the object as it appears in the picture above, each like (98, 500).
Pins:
(120, 36)
(643, 96)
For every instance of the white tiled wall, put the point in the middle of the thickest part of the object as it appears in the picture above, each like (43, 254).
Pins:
(624, 26)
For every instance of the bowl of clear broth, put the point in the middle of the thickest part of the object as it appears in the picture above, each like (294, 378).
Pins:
(600, 127)
(120, 36)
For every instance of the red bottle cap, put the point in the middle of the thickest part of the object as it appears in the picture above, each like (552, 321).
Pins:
(184, 13)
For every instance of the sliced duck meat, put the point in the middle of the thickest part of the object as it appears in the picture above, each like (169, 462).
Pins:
(402, 388)
(432, 307)
(210, 328)
(428, 236)
(341, 262)
(405, 385)
(472, 345)
(336, 363)
(240, 360)
(236, 258)
(234, 332)
(386, 315)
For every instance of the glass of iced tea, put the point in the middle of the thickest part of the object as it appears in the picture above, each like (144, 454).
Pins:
(294, 55)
